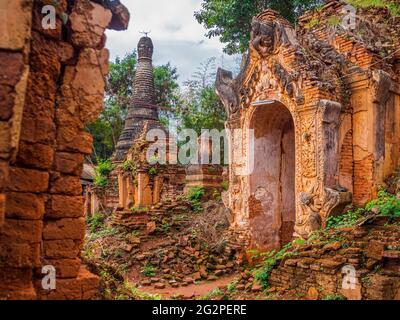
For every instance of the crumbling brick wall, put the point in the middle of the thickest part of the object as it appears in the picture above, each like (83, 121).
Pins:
(42, 200)
(358, 263)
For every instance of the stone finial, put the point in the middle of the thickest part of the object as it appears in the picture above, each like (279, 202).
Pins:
(145, 48)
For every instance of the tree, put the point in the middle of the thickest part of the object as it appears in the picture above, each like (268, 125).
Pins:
(231, 19)
(199, 107)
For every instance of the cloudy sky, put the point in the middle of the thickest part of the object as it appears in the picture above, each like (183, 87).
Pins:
(178, 38)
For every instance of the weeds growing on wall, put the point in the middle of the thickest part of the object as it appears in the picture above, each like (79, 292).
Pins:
(270, 260)
(149, 270)
(194, 196)
(102, 170)
(95, 222)
(386, 204)
(348, 219)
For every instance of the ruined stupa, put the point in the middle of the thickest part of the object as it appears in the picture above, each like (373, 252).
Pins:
(142, 110)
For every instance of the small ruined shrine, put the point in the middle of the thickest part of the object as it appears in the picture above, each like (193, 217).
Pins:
(143, 181)
(319, 109)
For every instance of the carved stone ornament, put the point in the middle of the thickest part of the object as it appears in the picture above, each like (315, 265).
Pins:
(226, 89)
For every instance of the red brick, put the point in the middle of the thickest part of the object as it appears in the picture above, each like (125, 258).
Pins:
(69, 163)
(26, 206)
(11, 66)
(15, 278)
(2, 208)
(39, 156)
(64, 229)
(60, 206)
(84, 287)
(61, 249)
(68, 185)
(65, 268)
(38, 129)
(28, 180)
(21, 231)
(71, 140)
(21, 255)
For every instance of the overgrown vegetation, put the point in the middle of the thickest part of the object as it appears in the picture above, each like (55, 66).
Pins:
(348, 219)
(269, 261)
(194, 196)
(231, 19)
(149, 270)
(102, 170)
(386, 204)
(95, 222)
(391, 5)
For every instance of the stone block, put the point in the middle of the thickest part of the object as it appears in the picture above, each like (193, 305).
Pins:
(21, 231)
(28, 180)
(88, 22)
(69, 163)
(68, 185)
(59, 206)
(20, 255)
(15, 23)
(27, 206)
(37, 156)
(83, 287)
(70, 139)
(61, 249)
(38, 129)
(64, 229)
(65, 268)
(375, 250)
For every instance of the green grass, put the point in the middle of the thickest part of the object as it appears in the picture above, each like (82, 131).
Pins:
(149, 270)
(392, 6)
(334, 297)
(95, 222)
(387, 204)
(194, 196)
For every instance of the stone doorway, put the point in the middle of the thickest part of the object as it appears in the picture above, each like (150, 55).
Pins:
(272, 205)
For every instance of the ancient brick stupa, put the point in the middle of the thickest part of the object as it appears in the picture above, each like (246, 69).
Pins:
(137, 182)
(142, 111)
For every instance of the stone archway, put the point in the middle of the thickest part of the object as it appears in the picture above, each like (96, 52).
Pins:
(272, 207)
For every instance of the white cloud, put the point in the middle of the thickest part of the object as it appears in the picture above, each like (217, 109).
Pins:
(178, 38)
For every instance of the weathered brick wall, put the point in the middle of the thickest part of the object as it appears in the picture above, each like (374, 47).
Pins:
(318, 269)
(44, 223)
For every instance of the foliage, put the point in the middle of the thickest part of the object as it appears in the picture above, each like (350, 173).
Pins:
(149, 270)
(95, 222)
(391, 5)
(225, 185)
(194, 196)
(313, 23)
(334, 297)
(102, 170)
(231, 19)
(104, 167)
(200, 107)
(213, 294)
(387, 204)
(348, 219)
(231, 287)
(152, 171)
(140, 295)
(334, 21)
(127, 165)
(270, 260)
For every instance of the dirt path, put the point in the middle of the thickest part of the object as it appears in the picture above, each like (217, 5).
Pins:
(193, 290)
